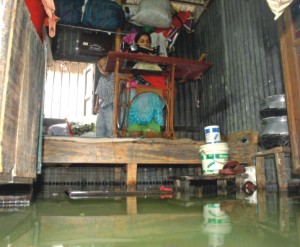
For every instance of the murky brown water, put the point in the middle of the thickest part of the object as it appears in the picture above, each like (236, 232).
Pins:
(263, 219)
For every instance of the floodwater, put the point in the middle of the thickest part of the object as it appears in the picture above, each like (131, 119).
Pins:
(184, 220)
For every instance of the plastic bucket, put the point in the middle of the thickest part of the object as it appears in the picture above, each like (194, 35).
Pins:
(212, 134)
(213, 157)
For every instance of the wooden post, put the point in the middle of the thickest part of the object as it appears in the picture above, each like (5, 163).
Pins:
(117, 48)
(118, 33)
(116, 100)
(281, 171)
(289, 53)
(172, 102)
(115, 116)
(131, 169)
(280, 163)
(118, 40)
(260, 173)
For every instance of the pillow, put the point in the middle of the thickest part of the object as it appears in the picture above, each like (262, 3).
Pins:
(58, 130)
(153, 13)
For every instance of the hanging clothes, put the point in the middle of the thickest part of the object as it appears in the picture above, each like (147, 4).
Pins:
(52, 19)
(278, 6)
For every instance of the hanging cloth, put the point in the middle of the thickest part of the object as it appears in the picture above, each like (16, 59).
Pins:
(52, 19)
(278, 6)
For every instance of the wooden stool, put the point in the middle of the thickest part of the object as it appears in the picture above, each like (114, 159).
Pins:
(278, 152)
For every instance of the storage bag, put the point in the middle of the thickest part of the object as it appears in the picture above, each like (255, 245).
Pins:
(103, 14)
(69, 11)
(153, 13)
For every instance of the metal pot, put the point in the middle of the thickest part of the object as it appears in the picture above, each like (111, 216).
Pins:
(275, 125)
(273, 106)
(275, 132)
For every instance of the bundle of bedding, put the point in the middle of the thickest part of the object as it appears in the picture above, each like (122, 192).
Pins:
(84, 127)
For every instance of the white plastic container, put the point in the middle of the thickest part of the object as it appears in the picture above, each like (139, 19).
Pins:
(212, 134)
(213, 156)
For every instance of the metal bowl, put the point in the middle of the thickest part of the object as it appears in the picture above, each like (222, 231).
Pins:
(274, 105)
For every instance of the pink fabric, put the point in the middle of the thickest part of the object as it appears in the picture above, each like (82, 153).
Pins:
(132, 83)
(129, 38)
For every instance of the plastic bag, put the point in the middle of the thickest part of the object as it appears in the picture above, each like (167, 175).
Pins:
(153, 13)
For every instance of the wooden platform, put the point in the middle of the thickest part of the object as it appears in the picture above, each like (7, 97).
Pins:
(132, 152)
(127, 151)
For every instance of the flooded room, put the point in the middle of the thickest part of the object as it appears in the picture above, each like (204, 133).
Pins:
(168, 123)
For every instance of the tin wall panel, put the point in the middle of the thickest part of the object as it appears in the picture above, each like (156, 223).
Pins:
(240, 38)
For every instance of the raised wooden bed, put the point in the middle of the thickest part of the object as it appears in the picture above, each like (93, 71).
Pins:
(133, 152)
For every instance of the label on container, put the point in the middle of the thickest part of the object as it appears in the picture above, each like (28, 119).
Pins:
(212, 134)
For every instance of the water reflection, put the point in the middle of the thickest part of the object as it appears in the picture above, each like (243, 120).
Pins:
(216, 223)
(186, 220)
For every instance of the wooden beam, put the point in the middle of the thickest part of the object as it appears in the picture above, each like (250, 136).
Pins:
(118, 151)
(260, 173)
(290, 63)
(61, 150)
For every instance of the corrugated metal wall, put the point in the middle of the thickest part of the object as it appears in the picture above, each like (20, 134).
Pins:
(240, 38)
